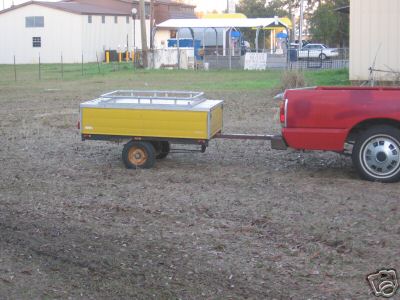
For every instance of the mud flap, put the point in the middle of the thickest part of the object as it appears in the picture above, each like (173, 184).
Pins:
(278, 143)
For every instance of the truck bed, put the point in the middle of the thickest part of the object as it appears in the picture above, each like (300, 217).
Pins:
(321, 118)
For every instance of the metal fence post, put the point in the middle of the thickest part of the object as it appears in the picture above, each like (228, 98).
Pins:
(230, 57)
(204, 57)
(15, 70)
(40, 75)
(134, 58)
(62, 67)
(98, 63)
(179, 51)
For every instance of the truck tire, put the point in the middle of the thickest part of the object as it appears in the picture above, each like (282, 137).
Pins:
(162, 149)
(138, 155)
(376, 154)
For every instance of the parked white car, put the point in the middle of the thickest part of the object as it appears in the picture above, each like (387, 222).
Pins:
(318, 51)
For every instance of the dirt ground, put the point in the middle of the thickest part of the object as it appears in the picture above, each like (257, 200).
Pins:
(239, 222)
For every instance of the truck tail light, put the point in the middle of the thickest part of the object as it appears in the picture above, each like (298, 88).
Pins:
(79, 125)
(282, 112)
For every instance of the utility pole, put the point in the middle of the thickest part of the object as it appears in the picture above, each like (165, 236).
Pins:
(144, 35)
(151, 24)
(301, 24)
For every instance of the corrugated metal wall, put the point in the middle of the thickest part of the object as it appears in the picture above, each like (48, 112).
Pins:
(374, 32)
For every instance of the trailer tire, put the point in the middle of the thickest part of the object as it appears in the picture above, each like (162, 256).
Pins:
(138, 155)
(376, 154)
(162, 149)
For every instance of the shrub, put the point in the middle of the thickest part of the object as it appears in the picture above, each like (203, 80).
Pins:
(292, 80)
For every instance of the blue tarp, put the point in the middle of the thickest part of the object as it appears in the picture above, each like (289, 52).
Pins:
(187, 43)
(282, 35)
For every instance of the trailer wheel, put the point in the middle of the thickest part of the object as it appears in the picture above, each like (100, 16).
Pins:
(162, 149)
(376, 154)
(138, 155)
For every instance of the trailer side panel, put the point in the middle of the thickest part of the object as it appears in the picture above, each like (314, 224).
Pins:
(132, 122)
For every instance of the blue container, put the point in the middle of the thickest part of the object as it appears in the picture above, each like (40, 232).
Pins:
(187, 43)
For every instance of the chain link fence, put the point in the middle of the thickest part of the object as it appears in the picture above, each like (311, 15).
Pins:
(61, 70)
(318, 59)
(208, 58)
(215, 58)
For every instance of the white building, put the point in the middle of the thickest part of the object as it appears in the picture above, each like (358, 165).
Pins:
(69, 29)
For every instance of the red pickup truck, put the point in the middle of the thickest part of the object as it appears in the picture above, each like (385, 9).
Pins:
(329, 118)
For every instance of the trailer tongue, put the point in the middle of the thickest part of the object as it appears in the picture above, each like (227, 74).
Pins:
(277, 142)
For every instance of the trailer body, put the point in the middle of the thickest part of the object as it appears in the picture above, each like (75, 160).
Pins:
(162, 115)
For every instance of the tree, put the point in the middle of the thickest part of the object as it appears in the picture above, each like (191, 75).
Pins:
(291, 7)
(328, 26)
(258, 9)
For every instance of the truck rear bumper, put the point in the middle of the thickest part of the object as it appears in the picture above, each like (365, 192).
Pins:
(315, 138)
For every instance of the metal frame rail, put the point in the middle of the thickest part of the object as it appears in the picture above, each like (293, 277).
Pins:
(178, 97)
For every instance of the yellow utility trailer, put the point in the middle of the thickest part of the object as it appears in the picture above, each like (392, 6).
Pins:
(152, 121)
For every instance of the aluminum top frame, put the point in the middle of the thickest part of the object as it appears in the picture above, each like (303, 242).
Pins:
(143, 97)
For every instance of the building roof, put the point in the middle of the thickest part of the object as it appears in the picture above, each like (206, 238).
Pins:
(170, 2)
(223, 23)
(74, 7)
(94, 7)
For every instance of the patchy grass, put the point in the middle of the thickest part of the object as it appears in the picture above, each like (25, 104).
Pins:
(125, 76)
(328, 77)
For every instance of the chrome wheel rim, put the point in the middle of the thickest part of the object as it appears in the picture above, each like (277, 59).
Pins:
(380, 156)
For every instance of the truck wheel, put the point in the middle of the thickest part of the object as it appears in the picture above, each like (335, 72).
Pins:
(138, 155)
(162, 149)
(376, 154)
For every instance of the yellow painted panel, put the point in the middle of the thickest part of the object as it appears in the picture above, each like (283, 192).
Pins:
(151, 123)
(216, 120)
